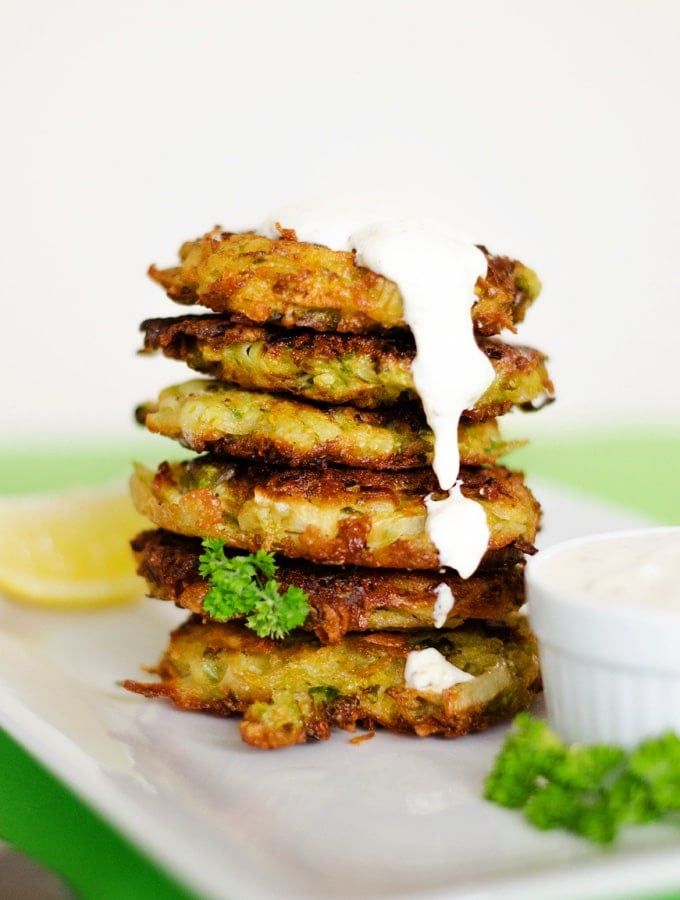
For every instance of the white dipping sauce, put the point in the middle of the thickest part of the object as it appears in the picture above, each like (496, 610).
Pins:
(606, 612)
(443, 604)
(428, 670)
(436, 272)
(641, 570)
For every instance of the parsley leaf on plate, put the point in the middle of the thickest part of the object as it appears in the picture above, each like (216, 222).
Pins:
(592, 791)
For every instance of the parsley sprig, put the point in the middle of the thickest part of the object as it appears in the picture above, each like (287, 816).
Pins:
(245, 586)
(592, 791)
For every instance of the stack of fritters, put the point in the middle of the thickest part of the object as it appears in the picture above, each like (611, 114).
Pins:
(318, 450)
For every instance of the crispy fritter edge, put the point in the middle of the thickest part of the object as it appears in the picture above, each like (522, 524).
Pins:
(297, 284)
(346, 600)
(295, 719)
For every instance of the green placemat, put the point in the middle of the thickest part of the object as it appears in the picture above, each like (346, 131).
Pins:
(638, 471)
(44, 819)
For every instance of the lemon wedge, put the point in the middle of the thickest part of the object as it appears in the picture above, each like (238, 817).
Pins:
(70, 548)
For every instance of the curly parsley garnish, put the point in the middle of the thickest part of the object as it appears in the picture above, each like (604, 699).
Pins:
(592, 791)
(245, 586)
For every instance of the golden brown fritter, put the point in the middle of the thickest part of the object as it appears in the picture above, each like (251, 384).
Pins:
(332, 516)
(228, 421)
(364, 370)
(295, 284)
(342, 600)
(295, 690)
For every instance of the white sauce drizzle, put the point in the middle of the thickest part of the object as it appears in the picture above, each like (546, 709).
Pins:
(643, 570)
(443, 604)
(436, 272)
(428, 670)
(458, 529)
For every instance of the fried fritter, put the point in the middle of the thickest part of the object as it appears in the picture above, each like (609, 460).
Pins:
(342, 600)
(333, 516)
(295, 690)
(295, 284)
(364, 370)
(228, 421)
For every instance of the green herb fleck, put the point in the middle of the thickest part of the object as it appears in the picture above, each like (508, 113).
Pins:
(245, 586)
(592, 791)
(324, 694)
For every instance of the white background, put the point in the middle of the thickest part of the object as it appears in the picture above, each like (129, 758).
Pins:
(550, 130)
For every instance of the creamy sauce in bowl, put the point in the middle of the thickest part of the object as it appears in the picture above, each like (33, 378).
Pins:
(606, 612)
(627, 570)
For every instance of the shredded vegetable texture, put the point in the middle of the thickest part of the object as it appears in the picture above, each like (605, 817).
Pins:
(592, 791)
(245, 586)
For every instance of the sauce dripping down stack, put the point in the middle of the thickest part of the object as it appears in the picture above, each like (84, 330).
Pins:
(350, 428)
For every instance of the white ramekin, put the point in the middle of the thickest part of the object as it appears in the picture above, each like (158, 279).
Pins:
(610, 674)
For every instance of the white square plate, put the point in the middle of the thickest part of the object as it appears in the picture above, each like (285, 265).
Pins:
(392, 817)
